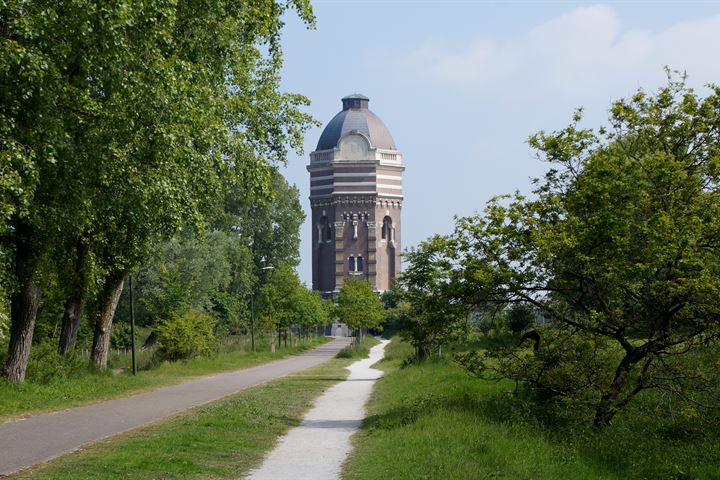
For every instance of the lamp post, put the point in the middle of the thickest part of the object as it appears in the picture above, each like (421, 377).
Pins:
(252, 321)
(132, 327)
(252, 313)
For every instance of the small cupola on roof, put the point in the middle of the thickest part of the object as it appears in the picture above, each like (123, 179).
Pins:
(355, 117)
(355, 100)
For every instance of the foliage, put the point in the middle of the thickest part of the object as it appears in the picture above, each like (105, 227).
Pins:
(190, 334)
(270, 224)
(47, 365)
(211, 273)
(285, 301)
(432, 316)
(121, 337)
(358, 306)
(121, 123)
(452, 426)
(396, 311)
(519, 317)
(618, 248)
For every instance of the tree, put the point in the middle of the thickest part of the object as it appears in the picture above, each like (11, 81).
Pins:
(358, 306)
(519, 317)
(271, 223)
(618, 249)
(122, 123)
(312, 309)
(433, 316)
(280, 300)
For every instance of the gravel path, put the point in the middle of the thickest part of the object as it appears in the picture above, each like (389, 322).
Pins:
(37, 439)
(317, 448)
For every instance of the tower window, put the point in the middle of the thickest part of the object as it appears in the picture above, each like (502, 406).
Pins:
(387, 229)
(359, 264)
(351, 263)
(328, 232)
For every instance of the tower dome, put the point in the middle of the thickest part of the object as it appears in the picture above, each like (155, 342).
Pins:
(356, 118)
(356, 197)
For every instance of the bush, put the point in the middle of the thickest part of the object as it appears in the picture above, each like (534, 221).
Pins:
(186, 336)
(120, 336)
(46, 364)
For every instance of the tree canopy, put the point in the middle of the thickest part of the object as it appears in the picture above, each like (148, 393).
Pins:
(616, 248)
(121, 123)
(358, 306)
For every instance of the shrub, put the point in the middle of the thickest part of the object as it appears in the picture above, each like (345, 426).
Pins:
(46, 364)
(188, 335)
(346, 352)
(120, 336)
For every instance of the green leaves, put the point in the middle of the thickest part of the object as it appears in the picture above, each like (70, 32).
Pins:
(123, 122)
(285, 301)
(358, 306)
(617, 249)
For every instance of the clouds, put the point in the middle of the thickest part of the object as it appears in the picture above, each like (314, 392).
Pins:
(584, 49)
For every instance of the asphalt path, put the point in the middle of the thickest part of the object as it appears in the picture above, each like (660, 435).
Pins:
(37, 439)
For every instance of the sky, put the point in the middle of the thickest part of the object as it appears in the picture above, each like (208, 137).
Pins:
(462, 84)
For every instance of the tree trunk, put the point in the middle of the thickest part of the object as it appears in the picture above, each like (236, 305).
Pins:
(23, 306)
(103, 323)
(74, 308)
(610, 400)
(75, 304)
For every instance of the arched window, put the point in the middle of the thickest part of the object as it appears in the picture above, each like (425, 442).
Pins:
(328, 231)
(387, 228)
(351, 263)
(359, 264)
(324, 230)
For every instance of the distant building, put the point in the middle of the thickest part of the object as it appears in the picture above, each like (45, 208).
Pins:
(356, 197)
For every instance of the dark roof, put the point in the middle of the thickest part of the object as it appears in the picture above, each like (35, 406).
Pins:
(355, 116)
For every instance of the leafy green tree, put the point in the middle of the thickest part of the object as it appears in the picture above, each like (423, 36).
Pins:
(190, 334)
(270, 223)
(358, 306)
(312, 310)
(122, 123)
(519, 316)
(212, 273)
(280, 299)
(618, 249)
(433, 316)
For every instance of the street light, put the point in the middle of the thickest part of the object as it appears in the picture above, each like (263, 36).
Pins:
(252, 313)
(132, 327)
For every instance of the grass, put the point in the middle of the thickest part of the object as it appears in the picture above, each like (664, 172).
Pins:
(225, 439)
(433, 420)
(359, 351)
(31, 398)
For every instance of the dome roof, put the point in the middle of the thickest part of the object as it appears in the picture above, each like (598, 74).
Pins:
(355, 117)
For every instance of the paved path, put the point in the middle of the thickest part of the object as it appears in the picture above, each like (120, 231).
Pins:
(37, 439)
(317, 448)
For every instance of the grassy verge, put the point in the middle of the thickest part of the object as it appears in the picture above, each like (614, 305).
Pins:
(221, 440)
(359, 351)
(433, 420)
(30, 398)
